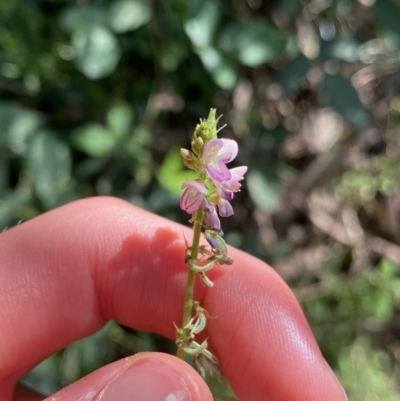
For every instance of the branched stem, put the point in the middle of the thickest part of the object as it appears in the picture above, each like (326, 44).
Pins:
(188, 308)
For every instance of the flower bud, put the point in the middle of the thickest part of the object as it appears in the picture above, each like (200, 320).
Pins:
(189, 159)
(207, 129)
(186, 154)
(198, 145)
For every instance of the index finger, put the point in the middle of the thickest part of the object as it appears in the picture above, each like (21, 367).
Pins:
(65, 273)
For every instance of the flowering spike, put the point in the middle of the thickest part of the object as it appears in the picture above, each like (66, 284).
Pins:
(204, 198)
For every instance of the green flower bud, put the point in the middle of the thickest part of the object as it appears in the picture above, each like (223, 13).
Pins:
(198, 145)
(190, 160)
(187, 154)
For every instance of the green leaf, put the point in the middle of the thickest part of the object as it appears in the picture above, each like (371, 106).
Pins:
(81, 17)
(50, 162)
(338, 93)
(221, 70)
(364, 372)
(295, 73)
(17, 124)
(266, 194)
(290, 7)
(346, 49)
(138, 144)
(172, 173)
(94, 139)
(387, 14)
(96, 51)
(201, 25)
(252, 44)
(387, 268)
(120, 118)
(12, 206)
(172, 54)
(128, 15)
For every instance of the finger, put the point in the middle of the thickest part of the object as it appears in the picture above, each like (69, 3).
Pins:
(142, 377)
(68, 271)
(266, 346)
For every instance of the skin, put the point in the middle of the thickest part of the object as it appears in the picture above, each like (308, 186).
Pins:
(67, 272)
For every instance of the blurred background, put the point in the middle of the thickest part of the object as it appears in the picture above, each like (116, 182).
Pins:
(97, 96)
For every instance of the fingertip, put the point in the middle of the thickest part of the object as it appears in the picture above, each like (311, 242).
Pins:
(262, 338)
(145, 376)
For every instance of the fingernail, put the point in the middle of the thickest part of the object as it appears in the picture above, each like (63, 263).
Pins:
(147, 380)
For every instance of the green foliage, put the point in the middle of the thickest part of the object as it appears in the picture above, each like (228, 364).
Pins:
(365, 372)
(252, 44)
(369, 177)
(347, 314)
(294, 75)
(129, 15)
(96, 51)
(172, 173)
(338, 92)
(265, 193)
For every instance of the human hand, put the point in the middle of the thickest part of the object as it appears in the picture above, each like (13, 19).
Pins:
(67, 272)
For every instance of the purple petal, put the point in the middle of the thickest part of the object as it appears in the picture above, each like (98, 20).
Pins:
(225, 209)
(224, 191)
(193, 197)
(238, 173)
(218, 172)
(233, 184)
(195, 184)
(211, 150)
(229, 150)
(213, 221)
(216, 153)
(208, 206)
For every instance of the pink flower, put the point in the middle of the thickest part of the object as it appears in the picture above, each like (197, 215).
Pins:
(216, 154)
(226, 189)
(193, 197)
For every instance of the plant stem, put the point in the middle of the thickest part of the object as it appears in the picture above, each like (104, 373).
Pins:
(188, 307)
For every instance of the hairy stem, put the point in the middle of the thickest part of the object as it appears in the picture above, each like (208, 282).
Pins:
(188, 307)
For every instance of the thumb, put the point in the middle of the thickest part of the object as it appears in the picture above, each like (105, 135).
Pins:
(142, 377)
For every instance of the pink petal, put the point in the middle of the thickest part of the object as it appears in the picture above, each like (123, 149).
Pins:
(218, 172)
(217, 152)
(193, 197)
(232, 186)
(195, 184)
(238, 173)
(224, 191)
(229, 150)
(211, 150)
(208, 206)
(225, 208)
(213, 221)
